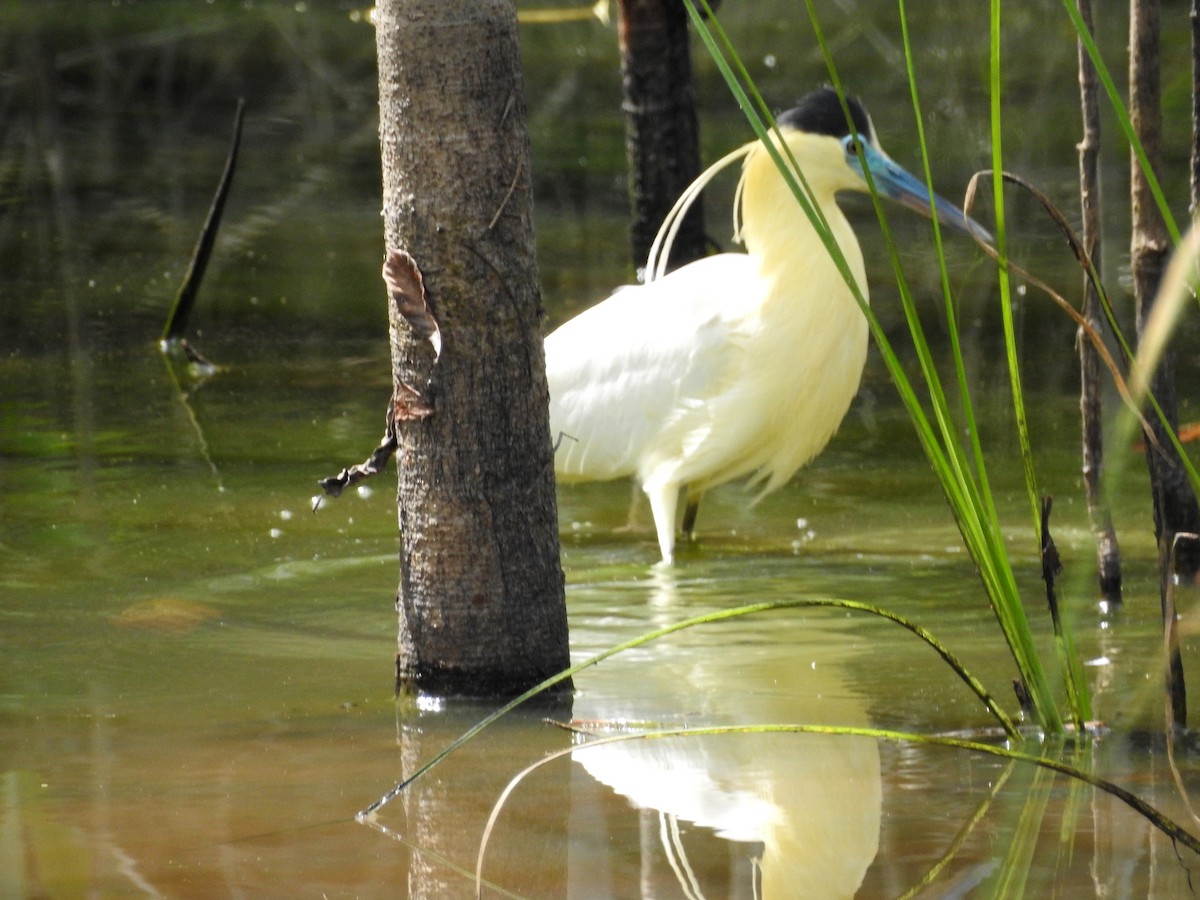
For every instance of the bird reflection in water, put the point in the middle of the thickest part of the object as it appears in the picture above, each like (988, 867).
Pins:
(813, 802)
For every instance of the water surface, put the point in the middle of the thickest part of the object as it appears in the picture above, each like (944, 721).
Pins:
(196, 669)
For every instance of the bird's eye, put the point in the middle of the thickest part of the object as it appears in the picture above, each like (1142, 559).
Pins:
(851, 145)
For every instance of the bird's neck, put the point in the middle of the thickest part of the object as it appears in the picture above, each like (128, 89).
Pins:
(775, 228)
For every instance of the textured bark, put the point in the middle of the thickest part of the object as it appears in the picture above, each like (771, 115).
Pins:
(1175, 508)
(1194, 199)
(1108, 551)
(662, 137)
(480, 604)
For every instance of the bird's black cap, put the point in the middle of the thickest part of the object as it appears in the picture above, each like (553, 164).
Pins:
(820, 112)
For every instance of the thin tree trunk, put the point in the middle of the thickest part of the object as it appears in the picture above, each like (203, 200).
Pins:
(1175, 508)
(480, 604)
(662, 136)
(1108, 552)
(1194, 202)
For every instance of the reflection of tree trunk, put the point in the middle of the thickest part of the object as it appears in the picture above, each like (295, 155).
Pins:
(1175, 508)
(69, 247)
(446, 811)
(661, 132)
(481, 603)
(1108, 553)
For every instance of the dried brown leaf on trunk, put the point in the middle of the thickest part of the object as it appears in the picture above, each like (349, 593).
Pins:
(406, 286)
(408, 405)
(407, 290)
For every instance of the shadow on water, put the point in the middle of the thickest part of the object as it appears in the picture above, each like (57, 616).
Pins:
(195, 669)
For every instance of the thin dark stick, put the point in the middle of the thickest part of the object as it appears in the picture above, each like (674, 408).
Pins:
(1175, 506)
(186, 298)
(662, 134)
(1108, 552)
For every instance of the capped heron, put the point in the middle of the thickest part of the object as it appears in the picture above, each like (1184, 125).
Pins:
(738, 364)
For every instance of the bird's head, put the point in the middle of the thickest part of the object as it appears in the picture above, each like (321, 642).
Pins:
(820, 115)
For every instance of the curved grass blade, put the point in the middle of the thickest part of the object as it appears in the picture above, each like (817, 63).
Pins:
(721, 615)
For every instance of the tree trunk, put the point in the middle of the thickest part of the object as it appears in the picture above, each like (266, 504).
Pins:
(1108, 552)
(1175, 508)
(662, 136)
(481, 603)
(1194, 199)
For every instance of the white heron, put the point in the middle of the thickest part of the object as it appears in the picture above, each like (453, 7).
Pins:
(738, 364)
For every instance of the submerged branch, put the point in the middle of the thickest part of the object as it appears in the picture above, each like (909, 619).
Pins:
(182, 394)
(1176, 686)
(960, 839)
(1176, 695)
(1077, 691)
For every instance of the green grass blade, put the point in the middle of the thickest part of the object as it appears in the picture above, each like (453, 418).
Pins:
(982, 530)
(960, 371)
(972, 509)
(1012, 876)
(1003, 274)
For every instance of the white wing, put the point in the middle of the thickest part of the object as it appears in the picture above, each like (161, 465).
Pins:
(628, 376)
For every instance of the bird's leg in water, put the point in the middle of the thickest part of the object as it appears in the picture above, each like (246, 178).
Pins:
(635, 504)
(664, 500)
(689, 517)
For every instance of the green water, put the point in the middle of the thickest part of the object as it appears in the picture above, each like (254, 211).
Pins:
(196, 668)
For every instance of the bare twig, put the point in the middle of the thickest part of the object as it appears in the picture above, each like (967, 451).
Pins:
(1085, 327)
(1108, 551)
(348, 477)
